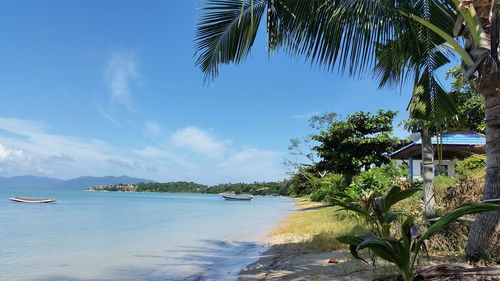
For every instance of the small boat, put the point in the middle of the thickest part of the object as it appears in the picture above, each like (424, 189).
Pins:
(237, 197)
(32, 200)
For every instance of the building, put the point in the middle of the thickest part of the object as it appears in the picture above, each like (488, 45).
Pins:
(455, 146)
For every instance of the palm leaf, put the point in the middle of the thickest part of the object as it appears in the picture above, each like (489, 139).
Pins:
(354, 208)
(443, 34)
(226, 32)
(382, 247)
(395, 194)
(454, 215)
(430, 102)
(353, 242)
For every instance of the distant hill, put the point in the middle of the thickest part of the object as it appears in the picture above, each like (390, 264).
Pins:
(76, 183)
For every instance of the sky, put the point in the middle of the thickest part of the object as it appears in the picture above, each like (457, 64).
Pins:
(111, 88)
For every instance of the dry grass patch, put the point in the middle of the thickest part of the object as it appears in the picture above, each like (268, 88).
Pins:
(313, 228)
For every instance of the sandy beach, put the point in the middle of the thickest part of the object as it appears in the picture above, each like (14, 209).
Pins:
(291, 257)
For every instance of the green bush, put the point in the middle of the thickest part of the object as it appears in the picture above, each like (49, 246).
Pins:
(300, 183)
(377, 180)
(470, 167)
(329, 188)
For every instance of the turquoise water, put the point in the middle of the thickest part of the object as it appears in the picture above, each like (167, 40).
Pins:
(131, 236)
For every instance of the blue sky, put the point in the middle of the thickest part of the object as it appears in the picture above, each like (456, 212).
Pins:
(110, 88)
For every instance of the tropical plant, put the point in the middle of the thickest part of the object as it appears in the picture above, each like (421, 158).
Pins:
(357, 143)
(376, 210)
(403, 40)
(329, 188)
(377, 181)
(403, 251)
(469, 103)
(470, 166)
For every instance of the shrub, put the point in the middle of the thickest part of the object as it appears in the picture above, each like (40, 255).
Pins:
(377, 180)
(402, 248)
(471, 167)
(300, 184)
(450, 194)
(329, 188)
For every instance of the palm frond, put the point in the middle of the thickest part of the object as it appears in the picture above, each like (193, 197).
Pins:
(454, 215)
(226, 32)
(430, 102)
(340, 33)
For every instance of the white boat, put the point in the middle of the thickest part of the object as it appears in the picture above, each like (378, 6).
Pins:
(32, 200)
(237, 197)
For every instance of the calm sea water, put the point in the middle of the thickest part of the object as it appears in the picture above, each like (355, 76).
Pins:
(131, 236)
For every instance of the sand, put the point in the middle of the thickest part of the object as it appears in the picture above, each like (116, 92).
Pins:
(282, 262)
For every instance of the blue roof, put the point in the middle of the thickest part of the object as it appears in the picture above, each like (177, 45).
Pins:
(458, 139)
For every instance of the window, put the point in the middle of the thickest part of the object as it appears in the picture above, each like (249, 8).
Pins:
(441, 170)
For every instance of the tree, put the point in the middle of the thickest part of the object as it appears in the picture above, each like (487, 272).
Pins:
(470, 106)
(361, 140)
(468, 116)
(410, 38)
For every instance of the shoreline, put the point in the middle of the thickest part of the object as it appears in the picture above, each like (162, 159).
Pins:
(293, 253)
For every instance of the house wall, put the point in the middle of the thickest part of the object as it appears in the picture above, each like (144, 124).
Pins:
(417, 168)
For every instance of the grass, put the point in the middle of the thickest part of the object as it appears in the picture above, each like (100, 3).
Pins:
(313, 228)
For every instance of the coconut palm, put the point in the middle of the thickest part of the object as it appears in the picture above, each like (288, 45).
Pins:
(401, 40)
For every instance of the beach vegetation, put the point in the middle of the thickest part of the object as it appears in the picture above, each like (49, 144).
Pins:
(357, 143)
(329, 188)
(399, 246)
(313, 228)
(256, 188)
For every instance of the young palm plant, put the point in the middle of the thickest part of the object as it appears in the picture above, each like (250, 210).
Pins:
(402, 251)
(377, 212)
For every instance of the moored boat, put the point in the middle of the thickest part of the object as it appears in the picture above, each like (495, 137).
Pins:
(32, 200)
(237, 197)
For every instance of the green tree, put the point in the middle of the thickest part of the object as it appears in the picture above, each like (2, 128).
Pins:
(470, 106)
(410, 39)
(361, 140)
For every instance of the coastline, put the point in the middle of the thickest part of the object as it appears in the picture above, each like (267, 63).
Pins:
(297, 253)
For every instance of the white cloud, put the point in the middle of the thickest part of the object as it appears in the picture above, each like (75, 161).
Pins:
(198, 141)
(121, 72)
(120, 76)
(28, 147)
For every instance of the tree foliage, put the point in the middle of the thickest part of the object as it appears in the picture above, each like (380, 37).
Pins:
(470, 106)
(256, 188)
(361, 140)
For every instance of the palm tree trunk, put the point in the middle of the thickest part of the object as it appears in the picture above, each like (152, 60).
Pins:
(428, 173)
(484, 236)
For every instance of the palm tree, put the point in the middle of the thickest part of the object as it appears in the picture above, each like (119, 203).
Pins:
(402, 40)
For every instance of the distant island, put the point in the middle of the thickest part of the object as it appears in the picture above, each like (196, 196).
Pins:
(29, 181)
(256, 188)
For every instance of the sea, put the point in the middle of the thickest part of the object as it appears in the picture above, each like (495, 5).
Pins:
(131, 236)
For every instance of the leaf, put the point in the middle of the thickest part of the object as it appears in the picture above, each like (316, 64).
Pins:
(351, 207)
(381, 247)
(354, 252)
(409, 231)
(454, 44)
(350, 240)
(395, 194)
(226, 32)
(454, 215)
